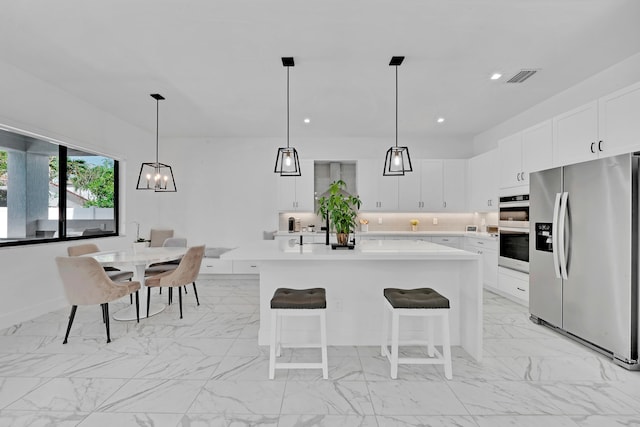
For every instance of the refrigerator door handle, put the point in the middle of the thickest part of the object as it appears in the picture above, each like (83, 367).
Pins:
(561, 238)
(554, 236)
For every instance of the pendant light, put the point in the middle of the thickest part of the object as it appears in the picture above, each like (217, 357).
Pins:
(397, 160)
(156, 176)
(287, 161)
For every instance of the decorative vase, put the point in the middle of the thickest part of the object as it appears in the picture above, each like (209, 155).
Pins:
(364, 227)
(343, 238)
(414, 228)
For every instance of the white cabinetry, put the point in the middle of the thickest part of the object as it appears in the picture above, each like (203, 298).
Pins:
(602, 128)
(377, 192)
(483, 182)
(575, 135)
(451, 241)
(488, 249)
(434, 186)
(514, 284)
(528, 151)
(295, 194)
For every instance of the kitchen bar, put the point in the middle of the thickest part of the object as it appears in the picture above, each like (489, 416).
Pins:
(354, 281)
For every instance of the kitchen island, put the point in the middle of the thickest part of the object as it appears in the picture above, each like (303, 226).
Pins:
(355, 279)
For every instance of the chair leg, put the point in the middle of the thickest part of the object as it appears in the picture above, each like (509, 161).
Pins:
(137, 307)
(71, 316)
(169, 296)
(104, 318)
(148, 300)
(180, 299)
(395, 332)
(160, 293)
(130, 298)
(185, 289)
(106, 315)
(195, 291)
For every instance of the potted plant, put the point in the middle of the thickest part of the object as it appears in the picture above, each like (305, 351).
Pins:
(341, 209)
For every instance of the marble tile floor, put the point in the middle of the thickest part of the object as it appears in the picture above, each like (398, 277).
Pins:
(207, 370)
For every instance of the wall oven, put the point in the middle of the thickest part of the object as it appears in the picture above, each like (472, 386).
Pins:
(514, 232)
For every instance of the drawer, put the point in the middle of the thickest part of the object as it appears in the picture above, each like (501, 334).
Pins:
(215, 266)
(482, 243)
(246, 267)
(453, 241)
(514, 283)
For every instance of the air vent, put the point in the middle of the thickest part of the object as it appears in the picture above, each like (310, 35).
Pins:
(521, 76)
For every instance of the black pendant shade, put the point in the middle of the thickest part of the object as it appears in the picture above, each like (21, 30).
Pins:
(156, 176)
(397, 161)
(287, 161)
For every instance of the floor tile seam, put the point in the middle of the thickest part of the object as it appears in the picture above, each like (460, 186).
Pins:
(162, 381)
(48, 380)
(448, 383)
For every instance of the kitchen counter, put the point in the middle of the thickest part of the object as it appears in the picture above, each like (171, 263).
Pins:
(355, 280)
(408, 234)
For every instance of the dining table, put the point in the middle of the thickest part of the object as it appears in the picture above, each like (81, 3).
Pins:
(139, 259)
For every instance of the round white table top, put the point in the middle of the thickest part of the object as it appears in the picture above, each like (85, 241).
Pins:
(142, 256)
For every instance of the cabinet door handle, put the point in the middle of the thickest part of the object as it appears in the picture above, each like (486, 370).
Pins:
(520, 289)
(600, 145)
(444, 204)
(522, 175)
(518, 176)
(593, 145)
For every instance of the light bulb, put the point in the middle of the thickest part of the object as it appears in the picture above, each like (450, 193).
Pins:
(166, 178)
(396, 159)
(287, 160)
(148, 176)
(157, 177)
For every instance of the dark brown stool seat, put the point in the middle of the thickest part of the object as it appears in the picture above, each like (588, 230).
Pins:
(286, 298)
(415, 298)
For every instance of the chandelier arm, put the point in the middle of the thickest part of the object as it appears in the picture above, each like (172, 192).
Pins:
(396, 106)
(287, 107)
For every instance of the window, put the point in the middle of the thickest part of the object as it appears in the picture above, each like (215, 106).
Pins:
(44, 199)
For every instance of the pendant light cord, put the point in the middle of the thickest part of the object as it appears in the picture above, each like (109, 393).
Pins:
(396, 106)
(157, 127)
(287, 107)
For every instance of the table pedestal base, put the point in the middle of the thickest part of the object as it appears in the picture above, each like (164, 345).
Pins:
(129, 313)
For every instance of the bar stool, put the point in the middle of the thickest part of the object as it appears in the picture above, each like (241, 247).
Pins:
(297, 302)
(422, 302)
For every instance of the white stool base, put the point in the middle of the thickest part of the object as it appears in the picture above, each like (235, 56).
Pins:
(276, 345)
(435, 357)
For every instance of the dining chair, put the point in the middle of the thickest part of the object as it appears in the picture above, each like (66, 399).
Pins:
(161, 267)
(157, 237)
(86, 283)
(186, 273)
(114, 274)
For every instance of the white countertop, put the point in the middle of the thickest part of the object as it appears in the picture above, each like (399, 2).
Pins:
(273, 250)
(485, 236)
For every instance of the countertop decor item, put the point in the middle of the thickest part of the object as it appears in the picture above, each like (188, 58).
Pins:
(397, 160)
(156, 176)
(364, 225)
(287, 162)
(340, 209)
(414, 224)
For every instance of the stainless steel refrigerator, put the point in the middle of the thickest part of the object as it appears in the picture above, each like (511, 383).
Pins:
(583, 258)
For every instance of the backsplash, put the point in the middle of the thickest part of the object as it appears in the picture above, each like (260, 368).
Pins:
(400, 221)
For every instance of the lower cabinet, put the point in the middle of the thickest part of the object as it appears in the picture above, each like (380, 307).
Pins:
(223, 266)
(514, 284)
(489, 251)
(451, 241)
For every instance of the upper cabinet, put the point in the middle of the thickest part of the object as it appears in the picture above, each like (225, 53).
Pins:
(295, 194)
(528, 151)
(377, 192)
(483, 182)
(575, 135)
(602, 128)
(619, 121)
(434, 186)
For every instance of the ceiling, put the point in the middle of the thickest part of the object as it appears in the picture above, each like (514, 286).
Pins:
(218, 61)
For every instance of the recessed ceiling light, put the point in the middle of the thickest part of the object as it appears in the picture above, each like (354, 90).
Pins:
(307, 120)
(440, 119)
(496, 76)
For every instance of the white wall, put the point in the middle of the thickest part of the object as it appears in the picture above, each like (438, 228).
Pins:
(30, 285)
(613, 78)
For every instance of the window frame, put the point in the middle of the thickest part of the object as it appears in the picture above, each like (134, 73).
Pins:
(62, 198)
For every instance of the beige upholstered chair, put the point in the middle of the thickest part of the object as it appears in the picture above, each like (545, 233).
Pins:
(186, 273)
(157, 237)
(161, 267)
(86, 283)
(113, 273)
